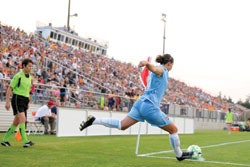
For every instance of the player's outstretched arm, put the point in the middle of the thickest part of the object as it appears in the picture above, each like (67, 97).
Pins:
(155, 69)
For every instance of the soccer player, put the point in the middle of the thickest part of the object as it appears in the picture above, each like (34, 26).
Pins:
(147, 107)
(19, 88)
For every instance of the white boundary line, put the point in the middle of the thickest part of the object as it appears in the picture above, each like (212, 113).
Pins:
(212, 162)
(151, 155)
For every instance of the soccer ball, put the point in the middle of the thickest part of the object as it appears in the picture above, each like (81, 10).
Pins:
(197, 151)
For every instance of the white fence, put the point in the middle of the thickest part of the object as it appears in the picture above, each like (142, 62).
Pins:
(70, 119)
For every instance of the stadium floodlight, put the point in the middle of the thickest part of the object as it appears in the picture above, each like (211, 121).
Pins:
(68, 27)
(74, 15)
(164, 31)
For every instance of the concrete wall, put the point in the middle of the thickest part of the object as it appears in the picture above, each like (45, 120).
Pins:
(6, 118)
(69, 120)
(208, 124)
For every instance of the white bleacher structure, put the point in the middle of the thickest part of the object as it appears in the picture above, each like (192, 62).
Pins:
(71, 38)
(7, 118)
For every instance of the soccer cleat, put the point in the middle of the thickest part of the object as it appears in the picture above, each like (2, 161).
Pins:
(86, 124)
(185, 155)
(5, 143)
(28, 144)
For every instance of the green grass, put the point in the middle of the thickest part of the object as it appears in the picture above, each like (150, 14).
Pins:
(119, 151)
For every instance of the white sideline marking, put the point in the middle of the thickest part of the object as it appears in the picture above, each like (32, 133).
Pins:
(205, 161)
(153, 153)
(223, 144)
(212, 162)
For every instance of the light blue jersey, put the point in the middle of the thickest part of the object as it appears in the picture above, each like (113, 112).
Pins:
(147, 106)
(156, 87)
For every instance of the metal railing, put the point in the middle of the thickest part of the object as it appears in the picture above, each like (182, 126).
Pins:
(94, 100)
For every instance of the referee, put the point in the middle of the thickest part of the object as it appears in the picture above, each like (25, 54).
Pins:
(19, 88)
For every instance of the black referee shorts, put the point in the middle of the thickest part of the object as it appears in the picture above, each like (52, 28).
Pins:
(19, 104)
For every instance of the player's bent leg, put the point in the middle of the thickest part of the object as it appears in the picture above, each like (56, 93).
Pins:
(175, 142)
(127, 122)
(108, 122)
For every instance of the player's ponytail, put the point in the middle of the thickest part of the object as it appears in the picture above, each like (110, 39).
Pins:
(164, 59)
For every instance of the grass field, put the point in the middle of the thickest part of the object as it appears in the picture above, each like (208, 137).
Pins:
(218, 148)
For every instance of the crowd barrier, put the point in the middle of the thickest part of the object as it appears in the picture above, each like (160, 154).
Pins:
(91, 101)
(69, 121)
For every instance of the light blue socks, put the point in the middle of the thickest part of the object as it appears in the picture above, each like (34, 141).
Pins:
(175, 143)
(109, 122)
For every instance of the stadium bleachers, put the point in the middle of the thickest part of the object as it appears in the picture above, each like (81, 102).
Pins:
(86, 75)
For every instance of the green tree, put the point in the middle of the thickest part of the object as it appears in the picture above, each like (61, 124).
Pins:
(246, 103)
(230, 100)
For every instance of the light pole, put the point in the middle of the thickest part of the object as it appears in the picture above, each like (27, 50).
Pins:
(164, 31)
(70, 16)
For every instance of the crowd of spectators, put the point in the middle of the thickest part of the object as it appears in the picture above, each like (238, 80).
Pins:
(77, 71)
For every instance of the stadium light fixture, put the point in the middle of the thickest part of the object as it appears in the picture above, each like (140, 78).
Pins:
(68, 27)
(74, 15)
(164, 19)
